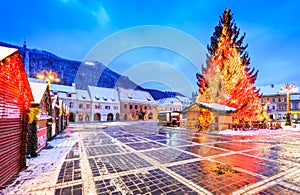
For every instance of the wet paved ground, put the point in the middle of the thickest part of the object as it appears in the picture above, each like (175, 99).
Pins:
(142, 159)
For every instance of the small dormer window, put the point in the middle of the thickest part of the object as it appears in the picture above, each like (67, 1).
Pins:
(129, 96)
(149, 98)
(97, 97)
(113, 99)
(104, 98)
(83, 97)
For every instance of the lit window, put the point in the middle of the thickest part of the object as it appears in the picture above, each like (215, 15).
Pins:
(88, 106)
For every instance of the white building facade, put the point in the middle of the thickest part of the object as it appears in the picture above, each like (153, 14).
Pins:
(105, 104)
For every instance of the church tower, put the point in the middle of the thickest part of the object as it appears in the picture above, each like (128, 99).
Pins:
(26, 58)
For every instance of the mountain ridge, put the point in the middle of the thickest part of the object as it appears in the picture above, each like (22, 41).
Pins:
(37, 60)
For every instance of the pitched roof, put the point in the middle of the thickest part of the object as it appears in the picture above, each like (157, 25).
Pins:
(101, 94)
(83, 95)
(38, 90)
(168, 101)
(215, 107)
(62, 88)
(135, 95)
(6, 51)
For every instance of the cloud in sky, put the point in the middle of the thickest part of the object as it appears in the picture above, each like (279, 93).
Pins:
(102, 16)
(71, 28)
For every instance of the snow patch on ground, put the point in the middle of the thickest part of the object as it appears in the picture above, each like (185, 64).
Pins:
(42, 171)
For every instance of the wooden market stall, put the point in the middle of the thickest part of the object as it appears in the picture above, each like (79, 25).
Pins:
(40, 129)
(15, 98)
(207, 117)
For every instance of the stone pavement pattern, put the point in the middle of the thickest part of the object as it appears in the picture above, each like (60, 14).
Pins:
(140, 158)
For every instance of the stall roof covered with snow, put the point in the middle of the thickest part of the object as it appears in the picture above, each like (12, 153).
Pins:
(38, 90)
(214, 107)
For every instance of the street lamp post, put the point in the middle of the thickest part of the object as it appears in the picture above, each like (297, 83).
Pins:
(49, 77)
(288, 88)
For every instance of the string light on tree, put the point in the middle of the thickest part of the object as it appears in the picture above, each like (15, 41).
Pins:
(227, 78)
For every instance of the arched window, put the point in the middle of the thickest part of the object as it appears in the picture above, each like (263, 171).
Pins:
(117, 116)
(110, 117)
(97, 117)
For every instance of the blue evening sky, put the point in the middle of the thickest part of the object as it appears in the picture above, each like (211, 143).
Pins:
(71, 28)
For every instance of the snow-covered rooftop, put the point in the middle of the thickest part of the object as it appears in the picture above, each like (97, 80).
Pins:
(295, 97)
(83, 95)
(62, 88)
(6, 51)
(135, 95)
(38, 90)
(168, 101)
(100, 94)
(183, 99)
(216, 107)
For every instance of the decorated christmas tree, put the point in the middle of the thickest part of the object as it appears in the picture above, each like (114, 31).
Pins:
(227, 78)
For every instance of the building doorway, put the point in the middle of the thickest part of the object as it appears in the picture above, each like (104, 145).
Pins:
(110, 117)
(97, 117)
(72, 117)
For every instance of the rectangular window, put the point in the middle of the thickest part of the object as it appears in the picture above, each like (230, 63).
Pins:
(285, 107)
(69, 94)
(261, 100)
(130, 106)
(98, 106)
(135, 106)
(273, 107)
(107, 107)
(88, 106)
(268, 99)
(279, 108)
(116, 107)
(279, 99)
(125, 106)
(285, 99)
(71, 104)
(273, 100)
(145, 107)
(295, 106)
(279, 116)
(80, 106)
